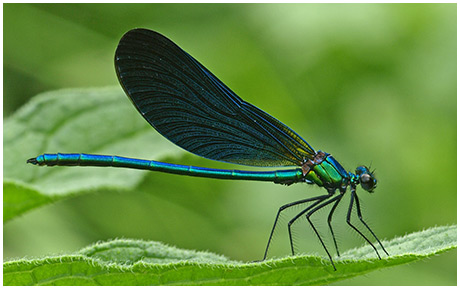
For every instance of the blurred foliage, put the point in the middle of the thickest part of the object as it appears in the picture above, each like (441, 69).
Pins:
(369, 83)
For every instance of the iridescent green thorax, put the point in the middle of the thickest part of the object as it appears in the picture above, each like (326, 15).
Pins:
(328, 173)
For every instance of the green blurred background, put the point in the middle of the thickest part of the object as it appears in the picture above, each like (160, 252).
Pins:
(365, 82)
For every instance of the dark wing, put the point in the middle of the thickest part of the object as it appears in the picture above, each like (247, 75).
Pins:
(189, 106)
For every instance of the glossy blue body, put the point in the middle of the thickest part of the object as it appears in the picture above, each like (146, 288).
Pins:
(280, 176)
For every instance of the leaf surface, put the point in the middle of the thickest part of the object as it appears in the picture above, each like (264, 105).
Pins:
(136, 262)
(74, 121)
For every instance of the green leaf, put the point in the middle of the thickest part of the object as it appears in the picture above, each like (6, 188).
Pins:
(135, 262)
(71, 121)
(18, 198)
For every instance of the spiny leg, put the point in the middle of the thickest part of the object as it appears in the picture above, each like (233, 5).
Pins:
(358, 211)
(293, 220)
(350, 208)
(314, 228)
(329, 220)
(281, 209)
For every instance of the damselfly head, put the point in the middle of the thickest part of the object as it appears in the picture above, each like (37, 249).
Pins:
(366, 178)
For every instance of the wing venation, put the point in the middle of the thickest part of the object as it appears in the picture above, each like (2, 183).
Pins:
(192, 108)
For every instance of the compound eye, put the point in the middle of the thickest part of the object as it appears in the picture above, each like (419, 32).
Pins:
(365, 178)
(368, 182)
